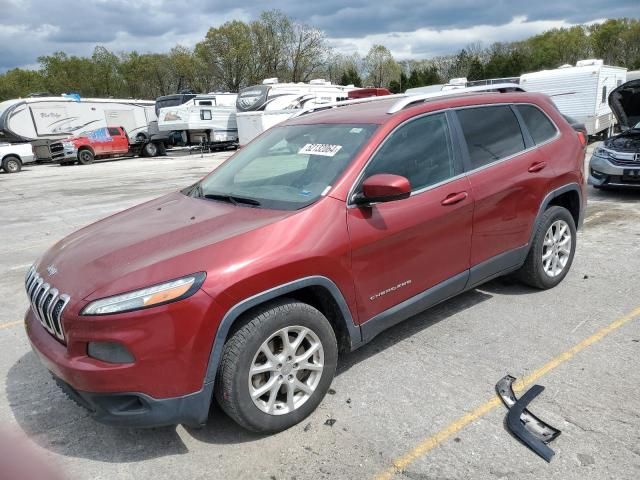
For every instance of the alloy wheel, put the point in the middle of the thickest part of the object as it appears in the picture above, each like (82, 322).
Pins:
(286, 370)
(556, 248)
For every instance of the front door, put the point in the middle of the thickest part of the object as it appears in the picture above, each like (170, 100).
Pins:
(403, 248)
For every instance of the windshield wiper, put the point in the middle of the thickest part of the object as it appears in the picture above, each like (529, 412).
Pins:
(233, 199)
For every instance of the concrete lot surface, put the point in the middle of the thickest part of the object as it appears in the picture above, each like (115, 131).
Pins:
(416, 403)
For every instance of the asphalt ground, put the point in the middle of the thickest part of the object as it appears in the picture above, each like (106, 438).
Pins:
(416, 403)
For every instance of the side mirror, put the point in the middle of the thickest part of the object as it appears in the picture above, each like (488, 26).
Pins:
(383, 187)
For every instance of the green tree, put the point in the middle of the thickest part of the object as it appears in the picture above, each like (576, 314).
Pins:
(351, 77)
(381, 67)
(227, 50)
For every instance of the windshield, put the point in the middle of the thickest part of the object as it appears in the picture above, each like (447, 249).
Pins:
(287, 168)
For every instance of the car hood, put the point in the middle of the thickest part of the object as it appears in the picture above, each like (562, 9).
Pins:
(160, 240)
(628, 141)
(625, 104)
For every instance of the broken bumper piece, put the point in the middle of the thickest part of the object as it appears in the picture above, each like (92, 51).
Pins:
(523, 424)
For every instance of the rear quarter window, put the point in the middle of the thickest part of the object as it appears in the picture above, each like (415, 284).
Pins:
(538, 124)
(492, 133)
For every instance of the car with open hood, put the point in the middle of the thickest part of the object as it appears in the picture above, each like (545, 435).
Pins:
(311, 240)
(616, 162)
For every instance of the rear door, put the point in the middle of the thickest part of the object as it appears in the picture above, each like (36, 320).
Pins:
(509, 178)
(403, 248)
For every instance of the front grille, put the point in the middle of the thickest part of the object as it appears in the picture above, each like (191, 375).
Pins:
(47, 303)
(624, 162)
(57, 150)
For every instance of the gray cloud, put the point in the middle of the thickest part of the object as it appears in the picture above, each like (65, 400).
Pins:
(29, 28)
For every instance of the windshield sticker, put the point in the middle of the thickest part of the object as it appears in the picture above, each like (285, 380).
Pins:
(323, 149)
(355, 130)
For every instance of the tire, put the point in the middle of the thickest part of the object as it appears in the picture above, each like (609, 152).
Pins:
(85, 157)
(11, 164)
(243, 349)
(150, 150)
(544, 273)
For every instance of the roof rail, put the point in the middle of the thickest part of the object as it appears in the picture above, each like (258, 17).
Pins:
(346, 103)
(407, 100)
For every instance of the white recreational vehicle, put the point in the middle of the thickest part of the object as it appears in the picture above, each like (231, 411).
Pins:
(260, 107)
(581, 92)
(208, 119)
(28, 119)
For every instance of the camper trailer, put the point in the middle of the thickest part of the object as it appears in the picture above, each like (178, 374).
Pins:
(260, 107)
(41, 120)
(207, 119)
(580, 92)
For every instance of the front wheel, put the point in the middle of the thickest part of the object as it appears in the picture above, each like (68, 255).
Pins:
(277, 368)
(11, 164)
(552, 250)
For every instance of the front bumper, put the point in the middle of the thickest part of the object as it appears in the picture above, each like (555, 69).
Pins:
(165, 382)
(604, 172)
(137, 410)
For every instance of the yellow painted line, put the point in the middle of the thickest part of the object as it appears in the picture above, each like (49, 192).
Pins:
(428, 444)
(10, 324)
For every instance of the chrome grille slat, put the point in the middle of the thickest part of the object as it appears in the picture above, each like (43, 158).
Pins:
(47, 303)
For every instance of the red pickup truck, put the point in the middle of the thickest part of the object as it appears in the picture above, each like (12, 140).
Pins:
(103, 142)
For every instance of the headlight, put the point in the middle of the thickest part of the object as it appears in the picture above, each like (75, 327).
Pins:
(601, 152)
(147, 297)
(68, 145)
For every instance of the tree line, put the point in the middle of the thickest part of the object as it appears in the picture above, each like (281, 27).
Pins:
(237, 54)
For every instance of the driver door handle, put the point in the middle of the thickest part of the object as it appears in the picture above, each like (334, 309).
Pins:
(454, 198)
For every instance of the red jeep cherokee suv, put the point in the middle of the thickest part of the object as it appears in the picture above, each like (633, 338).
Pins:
(314, 238)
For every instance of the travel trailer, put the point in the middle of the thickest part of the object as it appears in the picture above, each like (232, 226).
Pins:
(580, 92)
(260, 107)
(41, 120)
(207, 119)
(38, 118)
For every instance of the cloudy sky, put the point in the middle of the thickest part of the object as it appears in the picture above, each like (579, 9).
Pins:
(410, 28)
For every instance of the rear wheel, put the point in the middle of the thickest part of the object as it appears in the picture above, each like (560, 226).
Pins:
(85, 157)
(277, 368)
(11, 164)
(552, 250)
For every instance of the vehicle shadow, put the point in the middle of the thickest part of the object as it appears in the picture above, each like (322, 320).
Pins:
(621, 195)
(55, 423)
(411, 326)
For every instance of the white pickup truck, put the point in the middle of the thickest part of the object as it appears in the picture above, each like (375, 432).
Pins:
(14, 155)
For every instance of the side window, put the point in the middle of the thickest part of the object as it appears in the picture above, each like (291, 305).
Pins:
(420, 150)
(604, 94)
(114, 132)
(205, 114)
(491, 133)
(540, 127)
(205, 102)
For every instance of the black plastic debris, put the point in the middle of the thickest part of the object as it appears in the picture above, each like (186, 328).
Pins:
(532, 431)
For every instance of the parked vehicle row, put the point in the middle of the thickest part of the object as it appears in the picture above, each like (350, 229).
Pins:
(312, 239)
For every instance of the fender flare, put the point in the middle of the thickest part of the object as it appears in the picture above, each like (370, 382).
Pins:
(353, 330)
(570, 187)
